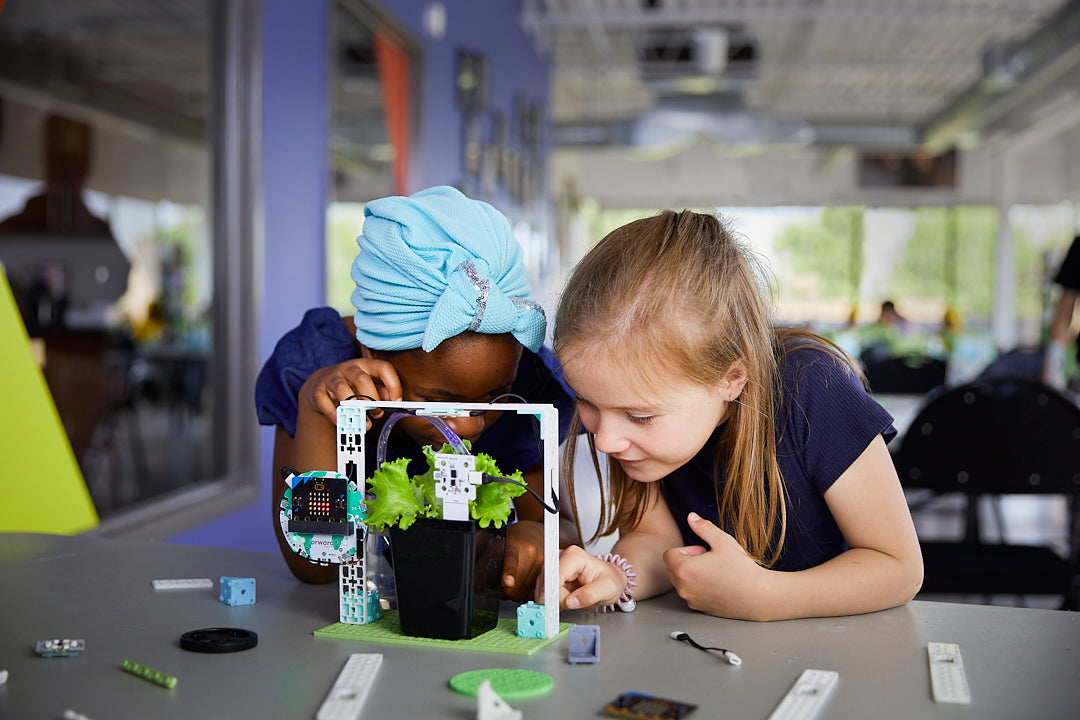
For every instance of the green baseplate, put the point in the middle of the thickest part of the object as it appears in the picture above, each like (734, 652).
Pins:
(503, 638)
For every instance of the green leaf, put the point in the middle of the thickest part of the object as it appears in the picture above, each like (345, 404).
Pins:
(425, 484)
(493, 499)
(492, 503)
(400, 499)
(395, 501)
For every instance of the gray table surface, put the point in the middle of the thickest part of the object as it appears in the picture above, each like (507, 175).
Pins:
(1021, 663)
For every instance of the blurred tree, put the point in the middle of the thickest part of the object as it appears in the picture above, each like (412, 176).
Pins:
(830, 249)
(925, 263)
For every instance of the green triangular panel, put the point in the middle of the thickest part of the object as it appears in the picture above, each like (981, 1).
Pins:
(41, 487)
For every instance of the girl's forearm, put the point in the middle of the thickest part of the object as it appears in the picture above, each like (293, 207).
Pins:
(857, 581)
(645, 554)
(315, 446)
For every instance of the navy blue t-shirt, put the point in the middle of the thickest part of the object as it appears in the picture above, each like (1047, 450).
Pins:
(322, 339)
(824, 422)
(1068, 275)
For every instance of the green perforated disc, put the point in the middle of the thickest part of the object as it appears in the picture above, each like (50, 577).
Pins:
(508, 683)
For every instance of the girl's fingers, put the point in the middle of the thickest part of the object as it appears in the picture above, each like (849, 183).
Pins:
(583, 580)
(583, 597)
(379, 379)
(357, 382)
(573, 564)
(705, 529)
(366, 378)
(325, 404)
(689, 550)
(601, 591)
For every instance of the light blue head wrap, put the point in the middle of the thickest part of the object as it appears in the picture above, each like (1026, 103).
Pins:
(435, 264)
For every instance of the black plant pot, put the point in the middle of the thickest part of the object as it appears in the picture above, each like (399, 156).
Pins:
(449, 577)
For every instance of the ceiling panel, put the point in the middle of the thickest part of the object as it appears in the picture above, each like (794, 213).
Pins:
(884, 63)
(819, 68)
(143, 60)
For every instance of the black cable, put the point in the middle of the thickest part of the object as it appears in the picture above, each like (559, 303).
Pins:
(535, 421)
(508, 481)
(539, 447)
(682, 636)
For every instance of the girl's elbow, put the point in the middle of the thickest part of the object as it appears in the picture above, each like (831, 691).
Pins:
(912, 578)
(917, 580)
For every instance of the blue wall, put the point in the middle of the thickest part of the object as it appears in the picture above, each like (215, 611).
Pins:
(295, 132)
(295, 167)
(487, 26)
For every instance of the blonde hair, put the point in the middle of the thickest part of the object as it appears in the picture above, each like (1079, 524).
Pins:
(678, 291)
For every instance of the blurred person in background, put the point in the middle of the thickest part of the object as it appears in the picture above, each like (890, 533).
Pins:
(1055, 370)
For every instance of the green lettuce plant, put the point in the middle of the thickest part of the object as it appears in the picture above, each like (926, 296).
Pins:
(396, 499)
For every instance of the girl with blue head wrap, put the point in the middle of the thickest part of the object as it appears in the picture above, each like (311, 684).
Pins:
(443, 313)
(436, 264)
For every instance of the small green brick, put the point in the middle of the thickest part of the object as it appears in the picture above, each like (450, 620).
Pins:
(154, 676)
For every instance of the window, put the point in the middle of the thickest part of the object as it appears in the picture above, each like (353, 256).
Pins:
(363, 147)
(108, 119)
(833, 267)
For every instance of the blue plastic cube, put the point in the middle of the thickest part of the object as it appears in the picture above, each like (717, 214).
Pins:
(530, 620)
(352, 594)
(237, 591)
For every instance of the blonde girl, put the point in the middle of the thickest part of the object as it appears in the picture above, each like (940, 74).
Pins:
(748, 465)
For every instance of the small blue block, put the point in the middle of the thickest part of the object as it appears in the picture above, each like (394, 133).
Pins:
(237, 591)
(584, 644)
(352, 608)
(530, 620)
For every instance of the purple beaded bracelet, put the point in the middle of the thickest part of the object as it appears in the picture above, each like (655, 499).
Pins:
(626, 601)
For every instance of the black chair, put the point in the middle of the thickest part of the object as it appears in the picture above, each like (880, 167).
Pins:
(907, 374)
(991, 437)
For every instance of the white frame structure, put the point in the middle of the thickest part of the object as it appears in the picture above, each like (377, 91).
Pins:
(351, 422)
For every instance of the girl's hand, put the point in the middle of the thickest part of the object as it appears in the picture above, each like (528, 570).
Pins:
(327, 387)
(586, 581)
(523, 560)
(721, 580)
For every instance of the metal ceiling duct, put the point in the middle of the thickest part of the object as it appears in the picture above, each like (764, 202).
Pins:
(1032, 73)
